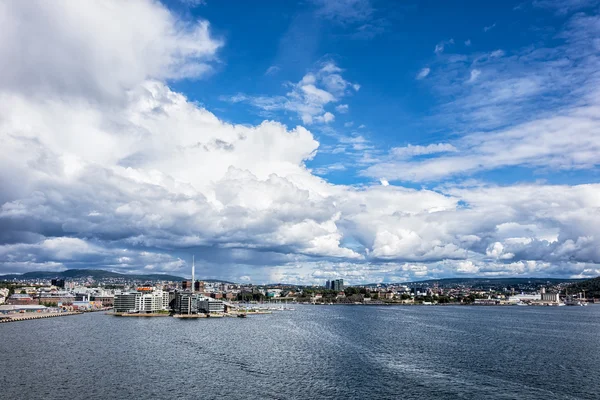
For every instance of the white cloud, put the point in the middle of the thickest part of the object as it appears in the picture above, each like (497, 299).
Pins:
(325, 118)
(412, 150)
(342, 108)
(358, 18)
(496, 250)
(423, 73)
(324, 170)
(439, 48)
(562, 142)
(474, 75)
(468, 42)
(344, 11)
(564, 6)
(489, 27)
(154, 46)
(272, 70)
(309, 98)
(112, 169)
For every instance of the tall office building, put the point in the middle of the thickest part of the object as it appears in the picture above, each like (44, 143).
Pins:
(328, 285)
(337, 285)
(58, 283)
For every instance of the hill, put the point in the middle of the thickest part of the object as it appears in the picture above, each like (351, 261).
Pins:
(96, 274)
(485, 283)
(494, 281)
(590, 286)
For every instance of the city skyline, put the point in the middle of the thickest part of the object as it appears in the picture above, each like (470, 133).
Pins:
(301, 142)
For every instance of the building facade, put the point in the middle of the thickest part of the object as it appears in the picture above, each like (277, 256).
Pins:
(125, 302)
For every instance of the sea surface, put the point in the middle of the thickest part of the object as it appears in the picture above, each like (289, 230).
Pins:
(315, 352)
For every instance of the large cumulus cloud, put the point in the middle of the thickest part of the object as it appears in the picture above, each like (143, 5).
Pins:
(103, 165)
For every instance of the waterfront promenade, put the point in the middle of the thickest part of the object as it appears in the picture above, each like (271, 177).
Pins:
(30, 316)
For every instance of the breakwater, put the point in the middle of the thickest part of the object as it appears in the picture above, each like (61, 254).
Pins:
(30, 316)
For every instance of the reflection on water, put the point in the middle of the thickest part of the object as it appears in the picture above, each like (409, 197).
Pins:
(313, 352)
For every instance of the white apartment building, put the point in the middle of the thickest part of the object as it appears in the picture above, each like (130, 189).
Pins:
(147, 302)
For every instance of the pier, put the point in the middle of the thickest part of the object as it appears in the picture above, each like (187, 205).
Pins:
(147, 315)
(30, 316)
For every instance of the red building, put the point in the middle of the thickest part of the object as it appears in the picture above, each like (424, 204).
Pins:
(20, 300)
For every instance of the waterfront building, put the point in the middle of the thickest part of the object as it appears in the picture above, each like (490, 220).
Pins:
(186, 303)
(550, 297)
(125, 302)
(154, 301)
(10, 309)
(208, 305)
(194, 303)
(524, 298)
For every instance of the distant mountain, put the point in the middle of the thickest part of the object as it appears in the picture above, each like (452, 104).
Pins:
(590, 286)
(487, 282)
(96, 274)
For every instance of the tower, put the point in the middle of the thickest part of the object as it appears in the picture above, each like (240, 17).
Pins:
(193, 273)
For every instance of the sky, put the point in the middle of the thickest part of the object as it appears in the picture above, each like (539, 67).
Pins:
(301, 141)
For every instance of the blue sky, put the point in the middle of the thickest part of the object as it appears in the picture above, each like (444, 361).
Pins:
(383, 47)
(300, 141)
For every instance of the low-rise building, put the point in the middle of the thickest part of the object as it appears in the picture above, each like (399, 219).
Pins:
(20, 299)
(107, 300)
(56, 298)
(208, 305)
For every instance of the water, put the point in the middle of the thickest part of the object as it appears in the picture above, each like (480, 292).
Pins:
(321, 352)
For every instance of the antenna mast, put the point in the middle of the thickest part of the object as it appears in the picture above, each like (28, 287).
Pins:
(193, 273)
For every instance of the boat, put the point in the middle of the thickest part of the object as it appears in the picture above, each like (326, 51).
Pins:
(572, 302)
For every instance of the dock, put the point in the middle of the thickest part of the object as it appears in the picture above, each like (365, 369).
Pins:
(145, 315)
(30, 316)
(189, 316)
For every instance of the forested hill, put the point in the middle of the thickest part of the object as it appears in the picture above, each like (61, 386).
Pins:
(590, 286)
(96, 274)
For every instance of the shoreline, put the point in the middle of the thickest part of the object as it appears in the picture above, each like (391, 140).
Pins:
(31, 316)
